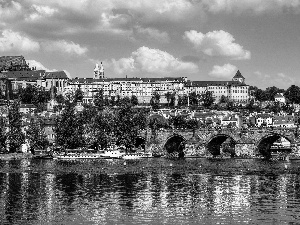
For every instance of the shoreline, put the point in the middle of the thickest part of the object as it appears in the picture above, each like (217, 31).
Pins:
(13, 156)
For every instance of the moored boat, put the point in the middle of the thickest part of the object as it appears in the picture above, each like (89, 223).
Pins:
(77, 154)
(138, 155)
(42, 154)
(112, 153)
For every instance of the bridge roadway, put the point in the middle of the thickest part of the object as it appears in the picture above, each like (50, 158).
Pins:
(216, 142)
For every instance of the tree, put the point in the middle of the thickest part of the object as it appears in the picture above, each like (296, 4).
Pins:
(293, 94)
(178, 121)
(2, 96)
(134, 100)
(69, 128)
(193, 98)
(168, 97)
(99, 128)
(260, 95)
(15, 135)
(192, 124)
(182, 100)
(78, 96)
(154, 102)
(223, 99)
(125, 127)
(26, 95)
(207, 99)
(271, 92)
(35, 134)
(3, 135)
(99, 99)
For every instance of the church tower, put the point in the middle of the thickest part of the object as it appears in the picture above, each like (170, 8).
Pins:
(96, 71)
(239, 77)
(99, 71)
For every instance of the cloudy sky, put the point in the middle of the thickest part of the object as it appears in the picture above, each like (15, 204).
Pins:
(198, 39)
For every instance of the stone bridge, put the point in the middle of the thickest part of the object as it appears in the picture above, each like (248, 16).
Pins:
(218, 142)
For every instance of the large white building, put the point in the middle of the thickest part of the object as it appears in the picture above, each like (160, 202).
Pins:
(235, 90)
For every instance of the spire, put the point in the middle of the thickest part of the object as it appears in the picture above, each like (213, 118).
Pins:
(239, 77)
(101, 71)
(96, 71)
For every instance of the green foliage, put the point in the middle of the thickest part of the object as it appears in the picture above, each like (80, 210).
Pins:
(15, 135)
(134, 100)
(182, 101)
(125, 126)
(2, 96)
(193, 97)
(178, 121)
(293, 94)
(34, 95)
(3, 135)
(35, 134)
(99, 100)
(154, 102)
(207, 99)
(78, 96)
(168, 97)
(69, 128)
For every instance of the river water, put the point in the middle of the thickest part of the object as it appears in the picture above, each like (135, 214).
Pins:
(150, 191)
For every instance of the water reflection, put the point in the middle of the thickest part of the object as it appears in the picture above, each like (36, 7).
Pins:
(149, 192)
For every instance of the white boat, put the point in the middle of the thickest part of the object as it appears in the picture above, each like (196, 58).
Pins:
(74, 156)
(138, 155)
(116, 153)
(77, 154)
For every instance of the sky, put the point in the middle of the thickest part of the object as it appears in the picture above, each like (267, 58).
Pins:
(198, 39)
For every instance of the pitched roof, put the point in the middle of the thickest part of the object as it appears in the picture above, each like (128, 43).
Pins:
(32, 74)
(238, 75)
(56, 74)
(215, 83)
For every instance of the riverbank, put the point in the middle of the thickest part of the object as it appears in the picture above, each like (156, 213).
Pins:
(13, 156)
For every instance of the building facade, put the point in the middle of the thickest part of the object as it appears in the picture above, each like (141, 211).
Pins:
(143, 88)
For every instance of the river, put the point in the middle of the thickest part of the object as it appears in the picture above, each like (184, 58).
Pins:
(150, 191)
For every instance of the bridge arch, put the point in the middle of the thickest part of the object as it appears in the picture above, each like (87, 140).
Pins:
(221, 143)
(264, 144)
(175, 143)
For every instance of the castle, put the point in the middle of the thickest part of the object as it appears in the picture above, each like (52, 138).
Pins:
(143, 88)
(15, 76)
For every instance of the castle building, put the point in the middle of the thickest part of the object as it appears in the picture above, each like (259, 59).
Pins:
(23, 78)
(235, 90)
(143, 88)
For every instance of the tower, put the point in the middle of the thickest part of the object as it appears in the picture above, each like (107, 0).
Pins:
(239, 77)
(99, 71)
(96, 71)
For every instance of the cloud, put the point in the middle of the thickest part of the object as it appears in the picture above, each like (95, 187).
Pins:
(225, 71)
(9, 11)
(280, 80)
(152, 34)
(65, 47)
(217, 43)
(38, 65)
(252, 6)
(152, 61)
(40, 11)
(15, 41)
